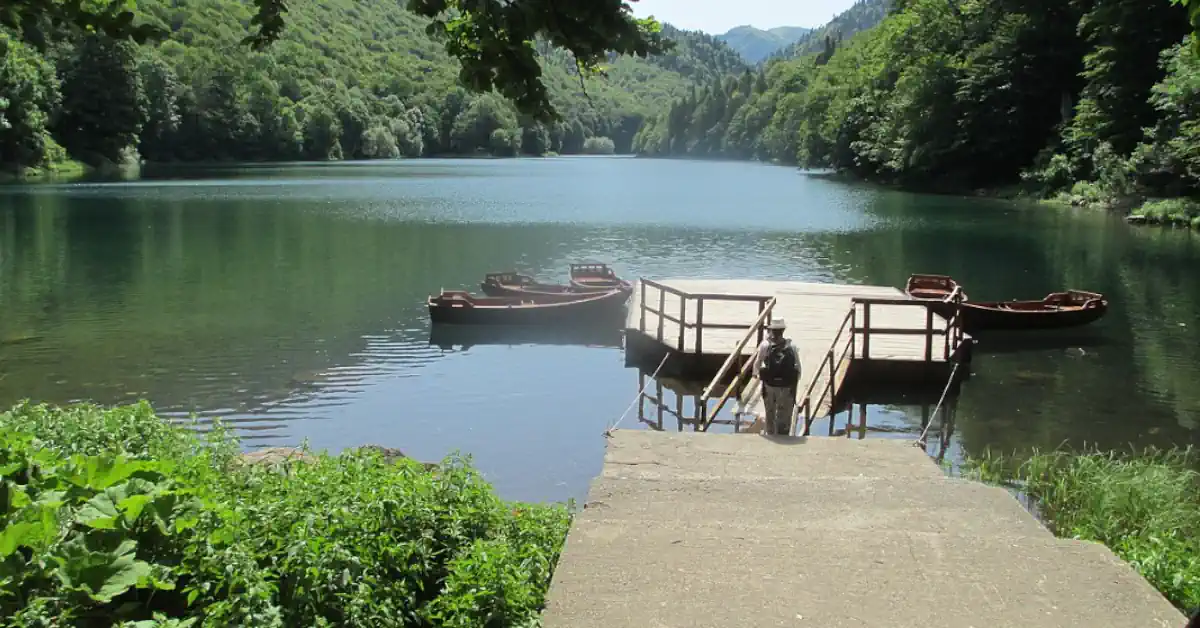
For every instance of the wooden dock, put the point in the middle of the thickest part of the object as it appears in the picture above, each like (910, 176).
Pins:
(711, 328)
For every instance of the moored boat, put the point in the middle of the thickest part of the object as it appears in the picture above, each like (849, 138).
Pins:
(462, 308)
(940, 292)
(1057, 310)
(933, 287)
(596, 276)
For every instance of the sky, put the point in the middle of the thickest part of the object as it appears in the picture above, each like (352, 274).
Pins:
(717, 16)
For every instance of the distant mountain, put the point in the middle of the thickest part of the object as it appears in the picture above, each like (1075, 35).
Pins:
(755, 44)
(860, 17)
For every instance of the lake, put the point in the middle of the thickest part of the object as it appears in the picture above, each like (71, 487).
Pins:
(290, 299)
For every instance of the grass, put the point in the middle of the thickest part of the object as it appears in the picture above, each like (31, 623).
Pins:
(113, 517)
(1144, 506)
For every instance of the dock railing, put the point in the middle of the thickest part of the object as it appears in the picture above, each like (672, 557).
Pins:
(857, 346)
(651, 289)
(755, 331)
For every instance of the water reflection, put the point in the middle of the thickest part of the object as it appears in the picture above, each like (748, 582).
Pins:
(448, 337)
(927, 419)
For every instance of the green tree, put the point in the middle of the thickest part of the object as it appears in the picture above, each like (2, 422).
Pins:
(104, 104)
(29, 93)
(162, 90)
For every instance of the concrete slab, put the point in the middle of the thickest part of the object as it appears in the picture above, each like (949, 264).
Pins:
(854, 505)
(698, 455)
(719, 530)
(624, 575)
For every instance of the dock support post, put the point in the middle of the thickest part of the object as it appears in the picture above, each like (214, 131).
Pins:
(641, 396)
(700, 326)
(658, 389)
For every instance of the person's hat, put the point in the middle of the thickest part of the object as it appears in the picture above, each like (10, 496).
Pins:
(777, 323)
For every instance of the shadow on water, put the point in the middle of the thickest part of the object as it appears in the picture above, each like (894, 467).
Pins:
(466, 336)
(1078, 341)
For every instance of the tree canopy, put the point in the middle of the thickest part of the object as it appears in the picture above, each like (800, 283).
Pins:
(1091, 99)
(493, 40)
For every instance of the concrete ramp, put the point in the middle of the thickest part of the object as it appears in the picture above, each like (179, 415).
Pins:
(724, 530)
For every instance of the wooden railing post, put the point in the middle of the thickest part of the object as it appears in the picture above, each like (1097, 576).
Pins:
(853, 324)
(662, 308)
(642, 306)
(867, 331)
(928, 334)
(682, 323)
(700, 326)
(761, 306)
(832, 377)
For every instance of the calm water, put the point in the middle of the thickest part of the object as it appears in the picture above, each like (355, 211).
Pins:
(290, 299)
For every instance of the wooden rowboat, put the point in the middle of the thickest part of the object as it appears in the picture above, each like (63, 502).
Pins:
(941, 294)
(596, 276)
(1057, 310)
(933, 287)
(462, 308)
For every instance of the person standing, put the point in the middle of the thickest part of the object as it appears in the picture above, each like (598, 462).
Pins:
(777, 366)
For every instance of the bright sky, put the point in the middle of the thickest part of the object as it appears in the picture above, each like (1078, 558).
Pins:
(717, 16)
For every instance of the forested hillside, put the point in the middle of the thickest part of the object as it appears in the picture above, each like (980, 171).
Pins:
(1098, 98)
(348, 79)
(756, 44)
(863, 15)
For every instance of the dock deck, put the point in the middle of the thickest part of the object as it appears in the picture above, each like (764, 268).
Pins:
(699, 323)
(717, 530)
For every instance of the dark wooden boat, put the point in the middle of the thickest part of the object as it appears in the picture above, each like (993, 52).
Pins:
(1057, 310)
(940, 293)
(596, 276)
(462, 308)
(933, 287)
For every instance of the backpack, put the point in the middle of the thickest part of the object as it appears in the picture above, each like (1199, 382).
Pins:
(781, 368)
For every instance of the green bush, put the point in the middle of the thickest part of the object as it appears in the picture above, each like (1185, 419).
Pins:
(1173, 211)
(114, 517)
(1145, 507)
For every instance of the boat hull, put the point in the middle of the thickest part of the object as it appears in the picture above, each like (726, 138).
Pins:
(562, 309)
(977, 317)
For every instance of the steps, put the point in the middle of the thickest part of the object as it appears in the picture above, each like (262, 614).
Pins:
(722, 530)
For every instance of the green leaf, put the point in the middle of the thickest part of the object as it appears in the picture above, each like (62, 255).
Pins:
(18, 534)
(102, 576)
(99, 512)
(132, 506)
(103, 472)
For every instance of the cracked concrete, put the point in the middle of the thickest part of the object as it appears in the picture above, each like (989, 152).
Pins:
(723, 530)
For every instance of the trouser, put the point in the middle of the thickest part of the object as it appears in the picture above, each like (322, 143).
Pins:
(780, 402)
